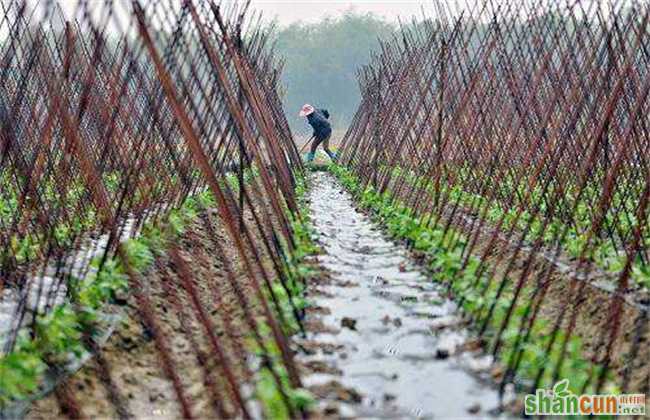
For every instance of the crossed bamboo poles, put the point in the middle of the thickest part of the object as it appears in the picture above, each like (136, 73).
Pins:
(538, 113)
(122, 111)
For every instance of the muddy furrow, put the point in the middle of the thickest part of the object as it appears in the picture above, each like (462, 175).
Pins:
(383, 341)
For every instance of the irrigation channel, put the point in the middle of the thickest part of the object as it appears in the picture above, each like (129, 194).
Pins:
(381, 328)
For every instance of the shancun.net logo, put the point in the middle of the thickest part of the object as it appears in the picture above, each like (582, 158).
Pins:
(561, 401)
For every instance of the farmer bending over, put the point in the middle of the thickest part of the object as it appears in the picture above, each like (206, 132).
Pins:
(317, 118)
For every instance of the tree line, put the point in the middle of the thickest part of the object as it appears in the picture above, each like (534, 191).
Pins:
(321, 62)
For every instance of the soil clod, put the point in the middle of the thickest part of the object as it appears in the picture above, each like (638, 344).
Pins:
(442, 354)
(349, 323)
(474, 408)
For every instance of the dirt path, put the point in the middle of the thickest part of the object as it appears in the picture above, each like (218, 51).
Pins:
(383, 342)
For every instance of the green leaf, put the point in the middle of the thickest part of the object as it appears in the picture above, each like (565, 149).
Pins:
(561, 389)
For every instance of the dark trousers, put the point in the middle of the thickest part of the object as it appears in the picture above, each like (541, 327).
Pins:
(326, 145)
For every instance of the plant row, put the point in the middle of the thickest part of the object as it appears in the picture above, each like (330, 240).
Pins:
(573, 236)
(482, 299)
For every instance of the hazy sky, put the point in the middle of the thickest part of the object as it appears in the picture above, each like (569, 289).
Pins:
(288, 12)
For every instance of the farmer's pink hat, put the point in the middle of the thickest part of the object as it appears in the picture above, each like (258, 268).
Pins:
(306, 110)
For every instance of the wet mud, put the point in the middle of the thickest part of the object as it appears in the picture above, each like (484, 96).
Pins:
(383, 340)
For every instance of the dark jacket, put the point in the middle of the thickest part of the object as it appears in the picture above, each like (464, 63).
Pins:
(318, 121)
